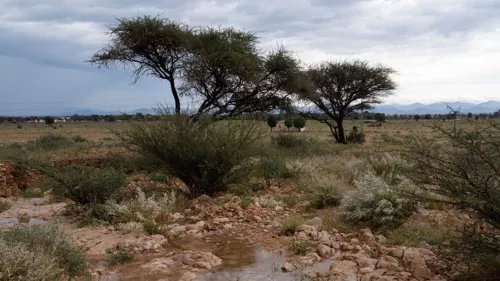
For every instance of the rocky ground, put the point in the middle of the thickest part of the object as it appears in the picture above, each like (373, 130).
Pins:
(208, 237)
(182, 252)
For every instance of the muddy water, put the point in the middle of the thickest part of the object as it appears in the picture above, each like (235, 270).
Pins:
(11, 222)
(241, 261)
(234, 254)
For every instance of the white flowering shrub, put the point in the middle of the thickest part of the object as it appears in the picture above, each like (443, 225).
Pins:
(356, 168)
(268, 202)
(18, 263)
(144, 208)
(389, 167)
(379, 204)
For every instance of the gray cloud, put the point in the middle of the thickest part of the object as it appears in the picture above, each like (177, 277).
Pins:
(436, 46)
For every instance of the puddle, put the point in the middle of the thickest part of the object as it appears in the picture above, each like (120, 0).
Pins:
(240, 261)
(7, 223)
(267, 267)
(11, 222)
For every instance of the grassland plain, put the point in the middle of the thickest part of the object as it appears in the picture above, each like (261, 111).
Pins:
(310, 200)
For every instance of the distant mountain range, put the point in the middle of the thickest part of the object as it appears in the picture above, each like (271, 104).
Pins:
(86, 111)
(438, 108)
(414, 108)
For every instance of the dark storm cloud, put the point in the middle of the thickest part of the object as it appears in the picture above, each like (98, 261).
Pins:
(44, 44)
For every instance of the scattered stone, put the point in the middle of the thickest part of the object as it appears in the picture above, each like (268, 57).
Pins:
(424, 245)
(186, 259)
(187, 276)
(287, 267)
(316, 222)
(367, 236)
(365, 262)
(455, 276)
(177, 230)
(381, 239)
(324, 251)
(176, 216)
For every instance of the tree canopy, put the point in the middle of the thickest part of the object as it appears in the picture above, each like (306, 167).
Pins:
(221, 69)
(339, 89)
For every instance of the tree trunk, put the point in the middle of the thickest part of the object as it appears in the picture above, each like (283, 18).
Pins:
(176, 97)
(341, 133)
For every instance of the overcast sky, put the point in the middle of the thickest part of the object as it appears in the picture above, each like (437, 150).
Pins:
(444, 50)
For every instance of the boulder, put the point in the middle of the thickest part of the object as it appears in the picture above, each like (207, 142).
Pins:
(287, 267)
(324, 251)
(316, 222)
(367, 236)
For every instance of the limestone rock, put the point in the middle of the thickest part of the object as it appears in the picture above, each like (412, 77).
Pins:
(316, 222)
(324, 251)
(287, 267)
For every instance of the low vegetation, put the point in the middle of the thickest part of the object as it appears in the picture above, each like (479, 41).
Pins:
(206, 156)
(291, 224)
(378, 204)
(119, 255)
(39, 253)
(4, 206)
(152, 212)
(299, 248)
(463, 168)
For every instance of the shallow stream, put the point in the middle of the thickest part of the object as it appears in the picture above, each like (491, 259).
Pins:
(240, 261)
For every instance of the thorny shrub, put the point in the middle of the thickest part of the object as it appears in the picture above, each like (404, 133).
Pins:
(18, 263)
(463, 168)
(378, 204)
(151, 212)
(206, 155)
(274, 170)
(41, 245)
(85, 185)
(323, 192)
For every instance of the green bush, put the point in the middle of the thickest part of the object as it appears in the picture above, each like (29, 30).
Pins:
(288, 123)
(377, 204)
(273, 169)
(290, 224)
(299, 122)
(42, 246)
(290, 141)
(246, 201)
(290, 200)
(160, 177)
(85, 185)
(207, 156)
(79, 139)
(152, 211)
(18, 263)
(299, 248)
(151, 227)
(271, 121)
(121, 255)
(462, 166)
(356, 137)
(94, 214)
(4, 206)
(32, 193)
(324, 195)
(52, 142)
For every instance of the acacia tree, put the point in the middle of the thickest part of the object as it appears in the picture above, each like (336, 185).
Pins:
(150, 46)
(341, 88)
(221, 68)
(272, 122)
(231, 76)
